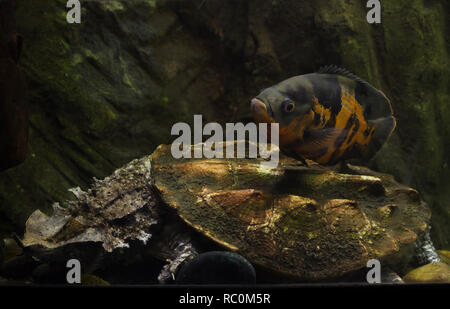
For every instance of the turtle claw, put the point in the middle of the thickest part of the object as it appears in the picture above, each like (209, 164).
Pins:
(217, 267)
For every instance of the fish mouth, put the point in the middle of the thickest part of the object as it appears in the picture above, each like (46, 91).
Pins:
(260, 112)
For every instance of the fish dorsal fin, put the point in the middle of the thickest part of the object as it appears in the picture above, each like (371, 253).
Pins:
(333, 69)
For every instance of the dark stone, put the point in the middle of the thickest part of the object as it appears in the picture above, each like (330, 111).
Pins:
(217, 267)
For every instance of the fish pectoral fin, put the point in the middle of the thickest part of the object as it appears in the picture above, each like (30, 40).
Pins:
(325, 137)
(318, 140)
(295, 156)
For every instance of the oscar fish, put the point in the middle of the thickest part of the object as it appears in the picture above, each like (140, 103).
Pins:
(328, 116)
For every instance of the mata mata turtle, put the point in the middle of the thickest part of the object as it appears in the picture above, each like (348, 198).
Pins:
(307, 223)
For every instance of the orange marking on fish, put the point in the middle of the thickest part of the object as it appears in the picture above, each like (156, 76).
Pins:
(325, 114)
(348, 99)
(295, 130)
(350, 107)
(349, 104)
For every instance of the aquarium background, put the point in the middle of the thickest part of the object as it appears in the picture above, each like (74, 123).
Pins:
(108, 90)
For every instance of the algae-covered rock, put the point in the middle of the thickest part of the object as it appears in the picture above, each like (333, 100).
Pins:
(430, 273)
(310, 223)
(11, 249)
(93, 280)
(444, 255)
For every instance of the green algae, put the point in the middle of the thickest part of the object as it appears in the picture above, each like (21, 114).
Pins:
(108, 90)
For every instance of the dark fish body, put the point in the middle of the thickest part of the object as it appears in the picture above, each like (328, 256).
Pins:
(327, 116)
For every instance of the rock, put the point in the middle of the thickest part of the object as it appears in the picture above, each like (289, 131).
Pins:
(11, 249)
(13, 104)
(430, 273)
(217, 267)
(11, 259)
(444, 255)
(310, 223)
(93, 280)
(20, 268)
(43, 274)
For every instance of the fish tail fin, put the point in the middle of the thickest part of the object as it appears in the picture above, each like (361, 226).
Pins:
(383, 129)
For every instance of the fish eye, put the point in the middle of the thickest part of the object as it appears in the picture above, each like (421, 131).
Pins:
(289, 106)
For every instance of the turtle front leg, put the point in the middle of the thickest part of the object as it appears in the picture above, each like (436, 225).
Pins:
(425, 252)
(183, 253)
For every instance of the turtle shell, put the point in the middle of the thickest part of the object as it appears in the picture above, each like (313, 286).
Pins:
(310, 223)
